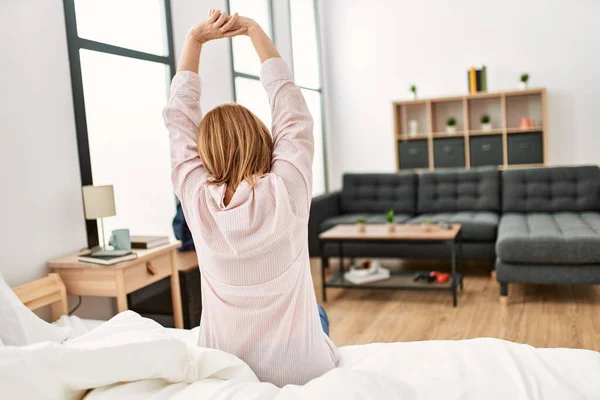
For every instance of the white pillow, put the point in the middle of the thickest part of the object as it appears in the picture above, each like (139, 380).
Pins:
(19, 326)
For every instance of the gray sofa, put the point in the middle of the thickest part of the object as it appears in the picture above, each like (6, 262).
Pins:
(541, 225)
(469, 197)
(549, 231)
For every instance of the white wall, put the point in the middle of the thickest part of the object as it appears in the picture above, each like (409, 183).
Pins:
(41, 210)
(376, 49)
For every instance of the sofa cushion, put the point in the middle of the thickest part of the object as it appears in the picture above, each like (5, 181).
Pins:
(477, 226)
(377, 193)
(549, 238)
(349, 219)
(551, 189)
(476, 189)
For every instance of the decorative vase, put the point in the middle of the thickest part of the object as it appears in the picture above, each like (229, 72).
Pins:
(362, 227)
(413, 126)
(526, 123)
(450, 129)
(391, 227)
(486, 127)
(522, 85)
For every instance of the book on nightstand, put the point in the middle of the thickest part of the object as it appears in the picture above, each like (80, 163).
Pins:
(148, 242)
(106, 259)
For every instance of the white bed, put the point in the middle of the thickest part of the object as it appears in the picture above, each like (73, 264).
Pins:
(135, 358)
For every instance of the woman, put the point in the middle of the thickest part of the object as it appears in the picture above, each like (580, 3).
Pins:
(246, 197)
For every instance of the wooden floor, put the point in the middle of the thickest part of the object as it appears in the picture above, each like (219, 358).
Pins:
(539, 315)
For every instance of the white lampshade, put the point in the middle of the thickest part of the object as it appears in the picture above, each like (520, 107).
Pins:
(99, 201)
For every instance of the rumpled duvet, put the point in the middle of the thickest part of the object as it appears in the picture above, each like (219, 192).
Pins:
(130, 357)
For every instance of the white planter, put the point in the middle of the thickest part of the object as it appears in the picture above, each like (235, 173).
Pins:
(413, 96)
(522, 85)
(413, 126)
(450, 129)
(486, 127)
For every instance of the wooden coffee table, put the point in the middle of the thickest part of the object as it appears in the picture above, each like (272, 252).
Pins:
(403, 233)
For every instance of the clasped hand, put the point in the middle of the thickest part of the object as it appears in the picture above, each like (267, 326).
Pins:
(221, 25)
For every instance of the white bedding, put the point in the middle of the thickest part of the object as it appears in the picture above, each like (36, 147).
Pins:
(161, 364)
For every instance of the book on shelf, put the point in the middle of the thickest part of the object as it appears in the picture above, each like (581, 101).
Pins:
(484, 79)
(106, 259)
(148, 242)
(472, 80)
(477, 79)
(380, 275)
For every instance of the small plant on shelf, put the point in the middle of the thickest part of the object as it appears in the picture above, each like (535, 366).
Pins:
(486, 123)
(360, 223)
(390, 219)
(523, 81)
(451, 125)
(413, 90)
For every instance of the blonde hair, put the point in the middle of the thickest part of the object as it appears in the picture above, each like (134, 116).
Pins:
(235, 145)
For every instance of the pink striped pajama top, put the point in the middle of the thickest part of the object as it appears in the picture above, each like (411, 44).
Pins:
(258, 297)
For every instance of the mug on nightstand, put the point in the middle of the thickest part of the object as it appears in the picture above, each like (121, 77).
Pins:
(120, 239)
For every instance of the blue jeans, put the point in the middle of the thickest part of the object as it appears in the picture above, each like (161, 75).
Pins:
(324, 320)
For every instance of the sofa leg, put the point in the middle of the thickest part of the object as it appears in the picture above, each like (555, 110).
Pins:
(503, 293)
(493, 275)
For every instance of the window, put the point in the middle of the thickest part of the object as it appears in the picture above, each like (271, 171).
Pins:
(120, 78)
(306, 67)
(305, 53)
(246, 64)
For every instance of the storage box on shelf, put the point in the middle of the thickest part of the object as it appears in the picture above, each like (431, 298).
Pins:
(517, 136)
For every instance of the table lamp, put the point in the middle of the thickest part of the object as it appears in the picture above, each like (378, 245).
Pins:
(99, 202)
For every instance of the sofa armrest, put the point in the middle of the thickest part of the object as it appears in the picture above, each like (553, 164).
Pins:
(322, 207)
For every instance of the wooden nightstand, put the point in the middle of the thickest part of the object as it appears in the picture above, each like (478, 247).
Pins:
(154, 301)
(85, 279)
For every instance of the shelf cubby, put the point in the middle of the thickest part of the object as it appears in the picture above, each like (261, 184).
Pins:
(412, 112)
(486, 150)
(413, 154)
(449, 152)
(491, 106)
(441, 111)
(523, 106)
(525, 148)
(508, 144)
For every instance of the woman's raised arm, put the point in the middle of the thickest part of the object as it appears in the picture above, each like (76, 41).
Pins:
(292, 126)
(182, 115)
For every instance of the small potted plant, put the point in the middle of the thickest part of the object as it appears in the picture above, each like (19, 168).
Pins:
(360, 223)
(451, 125)
(523, 82)
(413, 91)
(426, 225)
(486, 123)
(389, 219)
